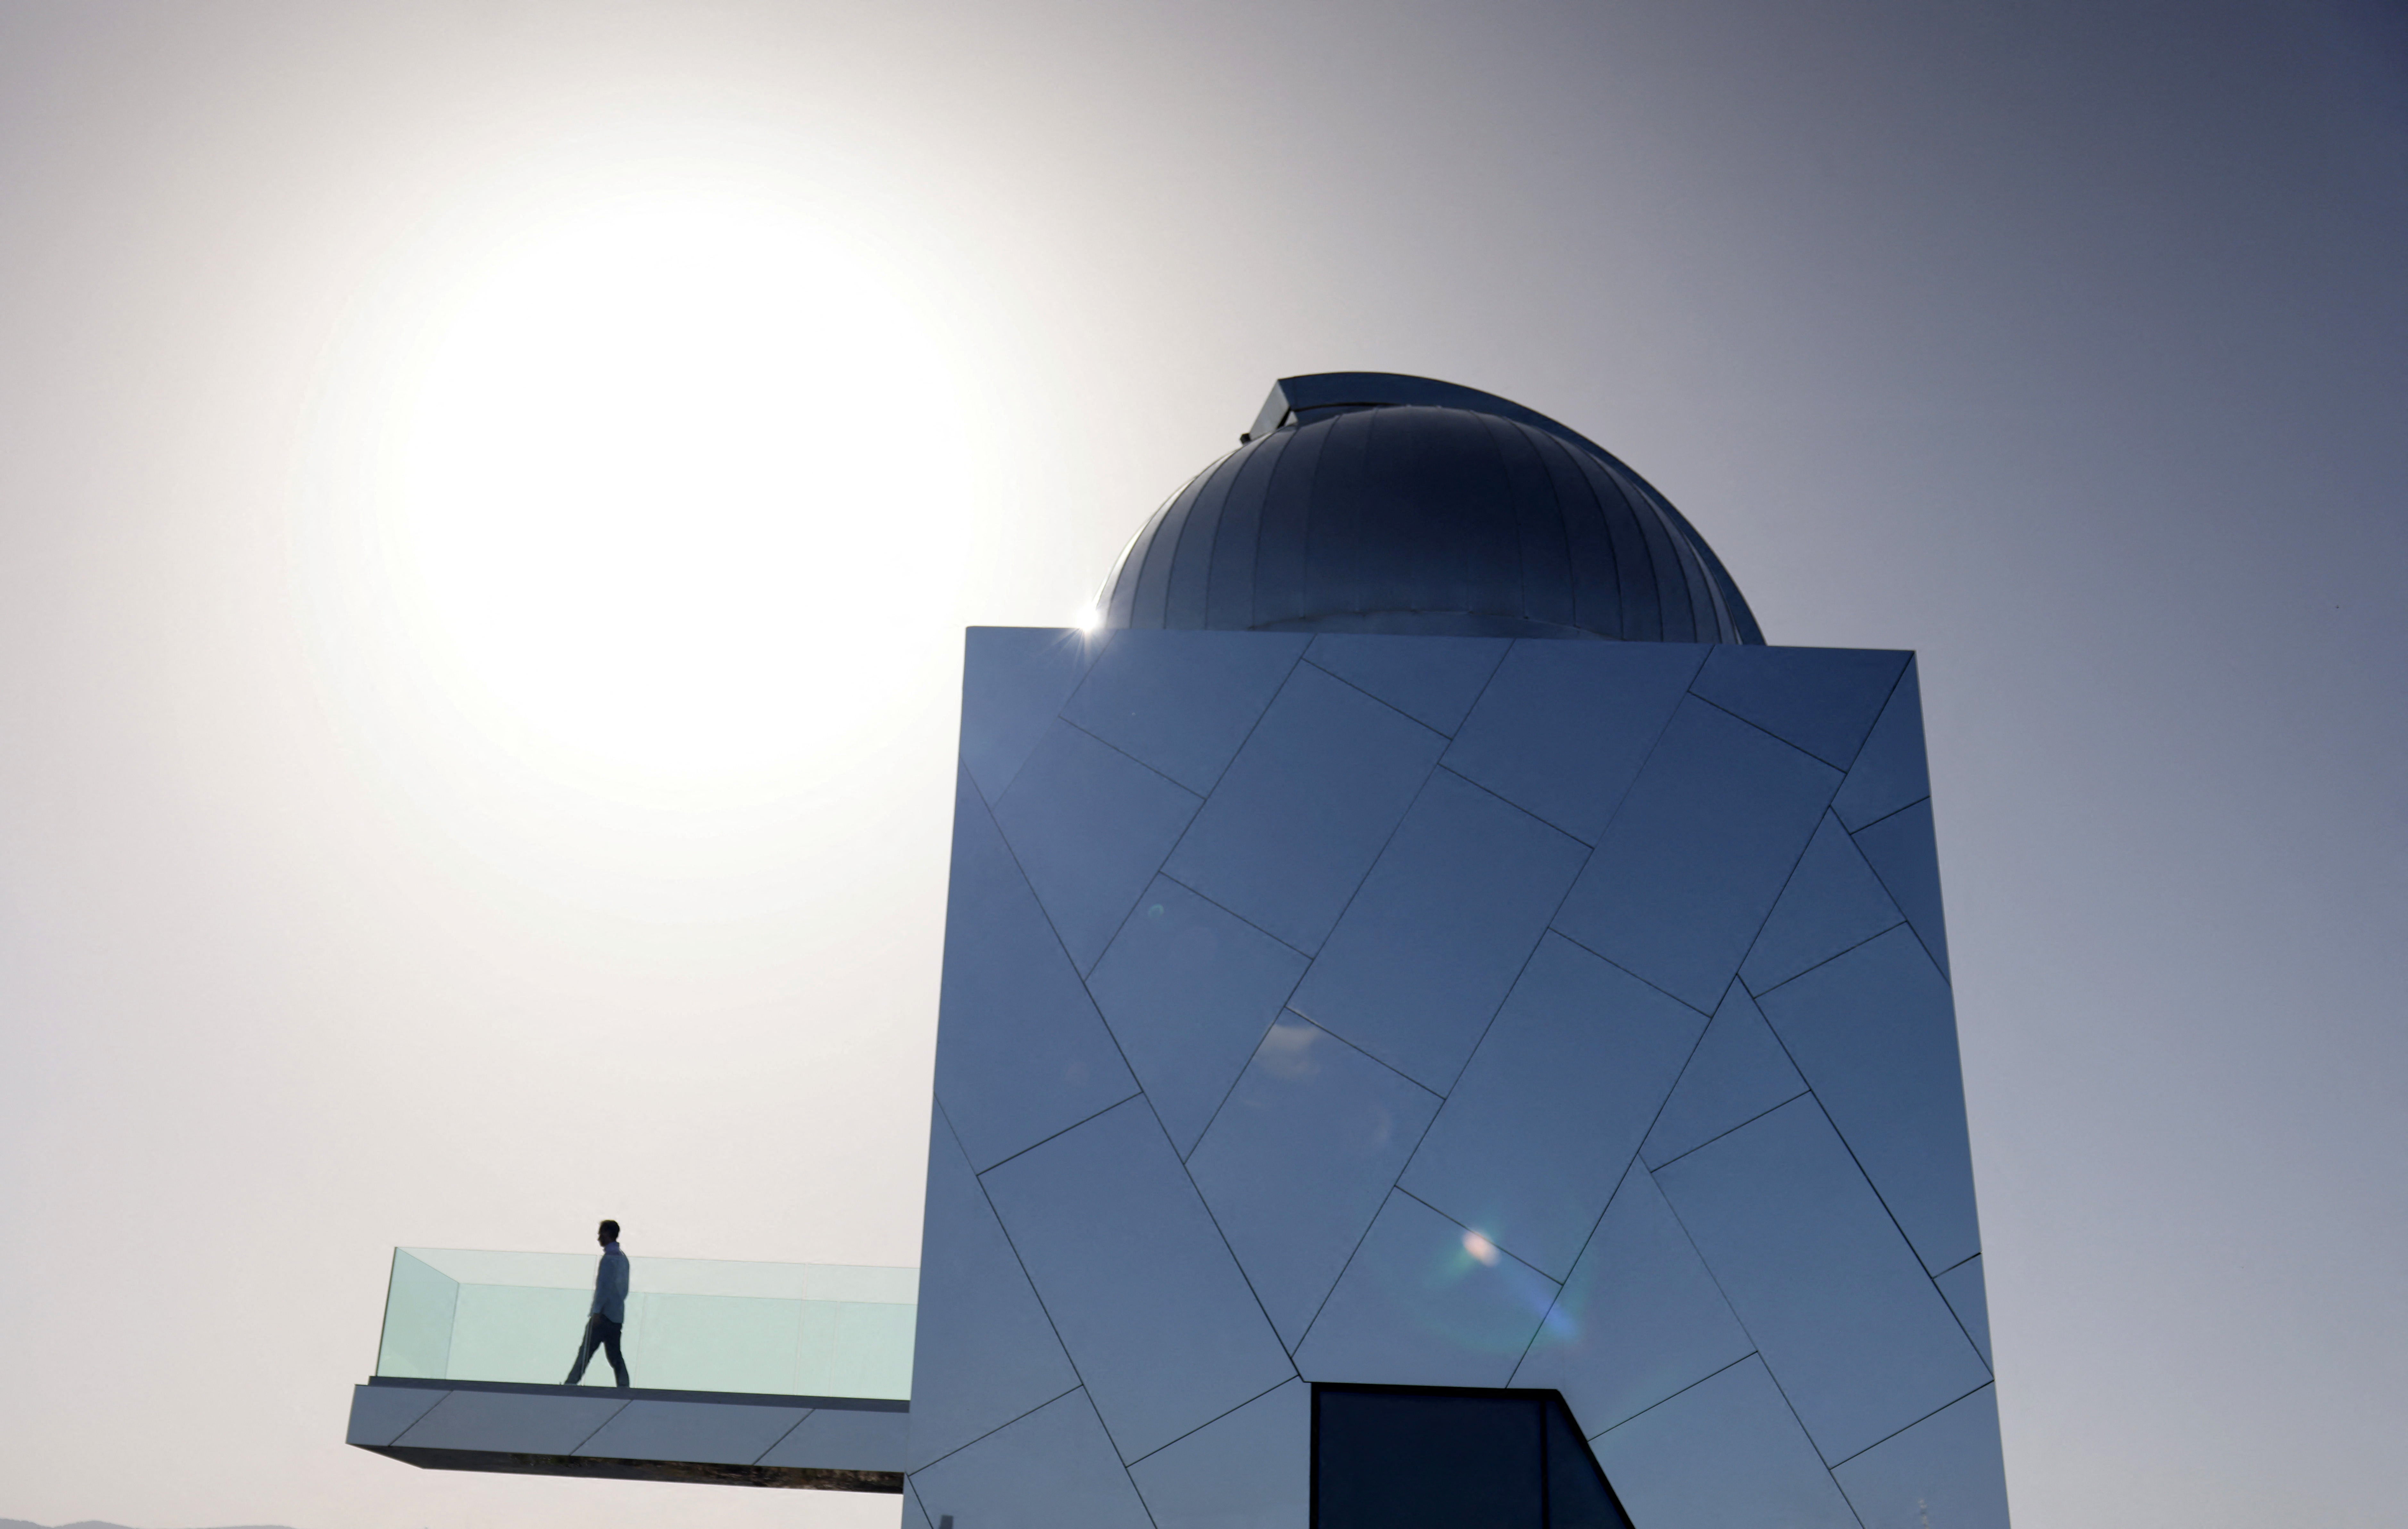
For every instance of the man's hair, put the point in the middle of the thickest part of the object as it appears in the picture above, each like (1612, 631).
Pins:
(610, 1230)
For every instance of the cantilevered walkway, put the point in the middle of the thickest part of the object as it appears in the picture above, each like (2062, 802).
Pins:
(777, 1375)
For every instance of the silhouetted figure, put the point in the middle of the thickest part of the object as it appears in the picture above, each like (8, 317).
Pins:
(608, 1313)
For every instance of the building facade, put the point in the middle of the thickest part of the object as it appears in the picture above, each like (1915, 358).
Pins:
(1432, 1002)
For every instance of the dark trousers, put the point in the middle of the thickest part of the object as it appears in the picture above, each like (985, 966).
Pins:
(601, 1332)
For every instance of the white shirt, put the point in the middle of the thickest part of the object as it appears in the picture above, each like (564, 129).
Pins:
(610, 1285)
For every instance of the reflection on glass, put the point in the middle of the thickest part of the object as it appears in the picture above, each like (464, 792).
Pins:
(692, 1323)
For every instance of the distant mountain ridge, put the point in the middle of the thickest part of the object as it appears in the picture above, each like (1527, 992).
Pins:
(96, 1524)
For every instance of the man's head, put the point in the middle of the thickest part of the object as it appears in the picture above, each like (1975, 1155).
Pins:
(607, 1233)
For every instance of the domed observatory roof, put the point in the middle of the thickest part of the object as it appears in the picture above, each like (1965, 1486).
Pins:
(1373, 502)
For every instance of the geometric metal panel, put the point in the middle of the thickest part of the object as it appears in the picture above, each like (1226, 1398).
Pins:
(1180, 703)
(1052, 1469)
(985, 1352)
(1136, 1278)
(1726, 1453)
(1638, 1321)
(1738, 1072)
(1833, 901)
(1304, 809)
(1563, 727)
(1553, 1106)
(1426, 1302)
(1962, 1285)
(1889, 771)
(1901, 849)
(1431, 943)
(1822, 699)
(1251, 1467)
(1014, 681)
(1189, 990)
(1300, 1159)
(1689, 867)
(832, 1436)
(729, 1439)
(1860, 1342)
(1025, 1052)
(509, 1420)
(380, 1413)
(1434, 680)
(1089, 825)
(1875, 1033)
(1945, 1470)
(714, 1433)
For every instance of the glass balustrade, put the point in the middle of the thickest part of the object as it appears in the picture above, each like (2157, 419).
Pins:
(692, 1323)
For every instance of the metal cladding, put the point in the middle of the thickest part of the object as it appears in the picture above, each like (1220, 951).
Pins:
(1552, 1019)
(1376, 503)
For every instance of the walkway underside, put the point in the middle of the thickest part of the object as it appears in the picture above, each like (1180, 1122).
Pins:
(821, 1443)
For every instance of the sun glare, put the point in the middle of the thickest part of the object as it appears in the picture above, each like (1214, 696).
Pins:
(672, 474)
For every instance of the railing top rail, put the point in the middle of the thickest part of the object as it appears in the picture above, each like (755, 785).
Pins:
(757, 1279)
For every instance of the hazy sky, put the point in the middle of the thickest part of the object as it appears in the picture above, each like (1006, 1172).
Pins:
(490, 492)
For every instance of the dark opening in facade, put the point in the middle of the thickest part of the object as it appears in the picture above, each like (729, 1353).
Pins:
(1443, 1457)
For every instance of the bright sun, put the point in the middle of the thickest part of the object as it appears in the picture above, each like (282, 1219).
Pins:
(671, 472)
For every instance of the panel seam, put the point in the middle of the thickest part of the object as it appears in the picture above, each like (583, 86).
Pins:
(1693, 1385)
(999, 1427)
(1929, 954)
(1381, 699)
(1926, 1418)
(1234, 1262)
(1305, 1333)
(1740, 1126)
(798, 1422)
(1291, 1381)
(1759, 994)
(595, 1429)
(981, 1172)
(1840, 770)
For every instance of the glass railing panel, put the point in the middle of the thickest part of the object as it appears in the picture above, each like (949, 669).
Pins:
(868, 1351)
(693, 1324)
(714, 1343)
(863, 1282)
(477, 1266)
(721, 1277)
(418, 1306)
(523, 1333)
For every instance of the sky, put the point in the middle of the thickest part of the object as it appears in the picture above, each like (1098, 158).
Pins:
(490, 494)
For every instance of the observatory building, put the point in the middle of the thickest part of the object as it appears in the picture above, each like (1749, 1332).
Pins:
(1443, 1025)
(1441, 1028)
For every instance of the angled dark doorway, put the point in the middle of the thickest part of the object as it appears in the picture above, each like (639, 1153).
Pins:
(1443, 1457)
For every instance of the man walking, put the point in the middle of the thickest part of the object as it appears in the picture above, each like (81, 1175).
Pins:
(608, 1313)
